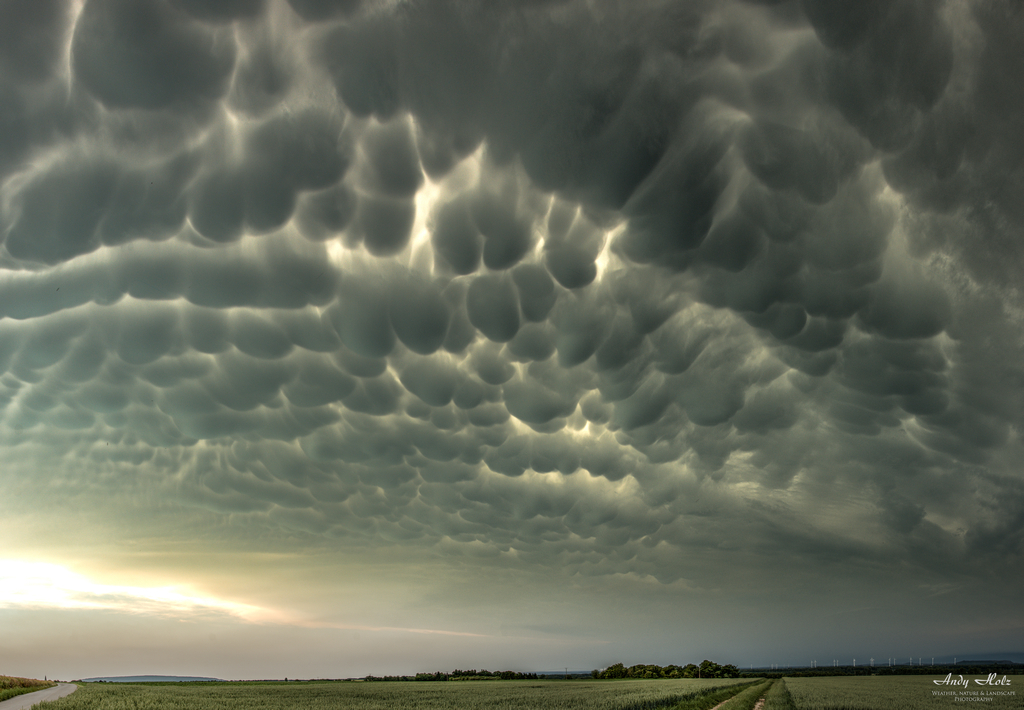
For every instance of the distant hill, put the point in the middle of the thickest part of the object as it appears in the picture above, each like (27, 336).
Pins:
(146, 679)
(1003, 656)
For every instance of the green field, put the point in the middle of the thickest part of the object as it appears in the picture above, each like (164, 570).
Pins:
(828, 693)
(685, 694)
(747, 699)
(900, 693)
(11, 687)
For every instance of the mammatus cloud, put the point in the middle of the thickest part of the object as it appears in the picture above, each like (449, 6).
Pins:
(613, 288)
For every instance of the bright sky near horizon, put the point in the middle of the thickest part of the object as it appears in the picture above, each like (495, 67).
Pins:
(350, 336)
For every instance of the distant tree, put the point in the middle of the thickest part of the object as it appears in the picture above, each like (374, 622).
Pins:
(616, 670)
(707, 669)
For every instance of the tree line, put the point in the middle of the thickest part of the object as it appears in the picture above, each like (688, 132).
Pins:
(458, 675)
(706, 669)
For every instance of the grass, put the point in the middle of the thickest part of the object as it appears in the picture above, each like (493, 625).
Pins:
(708, 698)
(11, 687)
(747, 698)
(898, 693)
(778, 697)
(822, 693)
(685, 694)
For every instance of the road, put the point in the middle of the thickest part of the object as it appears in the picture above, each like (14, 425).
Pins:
(23, 702)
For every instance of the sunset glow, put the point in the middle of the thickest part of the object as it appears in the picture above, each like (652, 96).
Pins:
(41, 585)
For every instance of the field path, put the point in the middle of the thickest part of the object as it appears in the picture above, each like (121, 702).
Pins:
(23, 702)
(757, 706)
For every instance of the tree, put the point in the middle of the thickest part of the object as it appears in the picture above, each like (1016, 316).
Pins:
(616, 670)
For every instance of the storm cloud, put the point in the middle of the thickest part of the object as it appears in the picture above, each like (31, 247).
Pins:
(653, 289)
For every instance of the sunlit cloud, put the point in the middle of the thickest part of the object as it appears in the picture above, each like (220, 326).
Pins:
(43, 585)
(391, 629)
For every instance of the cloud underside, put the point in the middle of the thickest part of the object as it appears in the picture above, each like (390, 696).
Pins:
(592, 285)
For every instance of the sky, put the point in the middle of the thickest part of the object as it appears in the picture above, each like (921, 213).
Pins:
(349, 336)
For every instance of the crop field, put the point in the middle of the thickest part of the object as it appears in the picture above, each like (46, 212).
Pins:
(778, 697)
(11, 687)
(747, 698)
(900, 693)
(685, 694)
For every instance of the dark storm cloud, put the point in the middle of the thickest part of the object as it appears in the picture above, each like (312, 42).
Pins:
(587, 283)
(149, 55)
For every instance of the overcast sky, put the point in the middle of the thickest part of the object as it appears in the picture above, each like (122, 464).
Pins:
(344, 337)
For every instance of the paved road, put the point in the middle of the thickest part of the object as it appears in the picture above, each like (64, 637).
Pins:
(23, 702)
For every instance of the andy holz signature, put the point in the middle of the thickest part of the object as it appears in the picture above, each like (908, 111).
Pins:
(991, 680)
